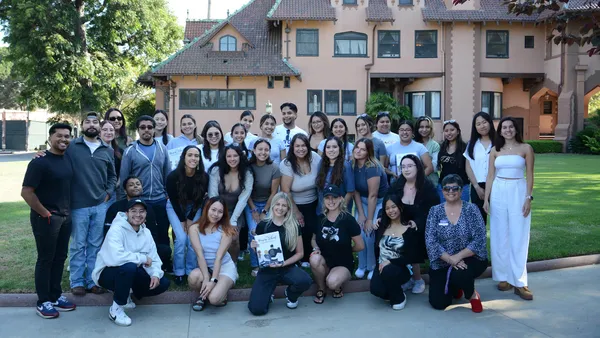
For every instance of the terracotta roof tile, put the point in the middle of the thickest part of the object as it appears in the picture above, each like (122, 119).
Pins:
(302, 10)
(196, 28)
(378, 11)
(490, 10)
(261, 57)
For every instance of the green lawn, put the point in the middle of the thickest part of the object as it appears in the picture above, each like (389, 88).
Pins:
(565, 220)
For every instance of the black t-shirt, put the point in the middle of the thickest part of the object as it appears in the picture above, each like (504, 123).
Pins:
(265, 227)
(50, 176)
(121, 206)
(454, 163)
(335, 239)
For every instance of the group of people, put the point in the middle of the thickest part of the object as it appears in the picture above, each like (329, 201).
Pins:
(395, 199)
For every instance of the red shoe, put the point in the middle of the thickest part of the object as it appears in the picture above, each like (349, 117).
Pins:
(459, 294)
(476, 304)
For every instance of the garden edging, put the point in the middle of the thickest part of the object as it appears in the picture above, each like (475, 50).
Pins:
(187, 297)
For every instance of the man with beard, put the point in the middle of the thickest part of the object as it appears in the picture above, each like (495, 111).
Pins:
(47, 190)
(133, 190)
(94, 181)
(149, 161)
(287, 130)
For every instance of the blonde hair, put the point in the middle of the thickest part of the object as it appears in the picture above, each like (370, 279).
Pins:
(290, 223)
(418, 124)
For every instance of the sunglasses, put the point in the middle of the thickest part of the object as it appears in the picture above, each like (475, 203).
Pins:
(145, 127)
(211, 135)
(115, 118)
(383, 113)
(451, 188)
(449, 121)
(363, 115)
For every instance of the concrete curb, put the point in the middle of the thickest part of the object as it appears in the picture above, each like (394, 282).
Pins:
(187, 297)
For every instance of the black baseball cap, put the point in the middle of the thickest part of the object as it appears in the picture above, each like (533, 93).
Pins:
(136, 201)
(332, 190)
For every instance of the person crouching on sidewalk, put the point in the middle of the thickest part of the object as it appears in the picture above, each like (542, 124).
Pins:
(128, 261)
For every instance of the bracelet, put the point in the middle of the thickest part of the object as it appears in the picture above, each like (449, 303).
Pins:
(316, 248)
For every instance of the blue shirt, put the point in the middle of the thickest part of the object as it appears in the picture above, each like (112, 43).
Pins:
(148, 150)
(361, 175)
(180, 142)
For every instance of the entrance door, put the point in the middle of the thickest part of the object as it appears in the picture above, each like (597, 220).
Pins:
(548, 116)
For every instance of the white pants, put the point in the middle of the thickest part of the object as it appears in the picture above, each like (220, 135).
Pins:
(509, 231)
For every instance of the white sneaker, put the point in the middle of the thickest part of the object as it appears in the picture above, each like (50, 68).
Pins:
(118, 316)
(401, 305)
(130, 304)
(360, 273)
(370, 275)
(290, 304)
(305, 265)
(408, 285)
(419, 286)
(241, 256)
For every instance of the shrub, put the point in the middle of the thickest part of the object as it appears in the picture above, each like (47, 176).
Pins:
(545, 146)
(584, 139)
(593, 142)
(379, 102)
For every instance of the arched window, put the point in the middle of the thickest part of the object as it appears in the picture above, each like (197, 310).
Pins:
(350, 44)
(227, 43)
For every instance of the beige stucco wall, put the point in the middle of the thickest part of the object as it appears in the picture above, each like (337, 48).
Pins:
(425, 84)
(520, 59)
(492, 84)
(462, 77)
(228, 30)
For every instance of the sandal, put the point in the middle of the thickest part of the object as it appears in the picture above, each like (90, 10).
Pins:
(198, 305)
(320, 297)
(339, 293)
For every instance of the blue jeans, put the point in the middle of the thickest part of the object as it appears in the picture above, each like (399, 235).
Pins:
(464, 195)
(86, 239)
(366, 257)
(251, 227)
(183, 263)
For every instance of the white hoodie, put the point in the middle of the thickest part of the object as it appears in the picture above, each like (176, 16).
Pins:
(123, 245)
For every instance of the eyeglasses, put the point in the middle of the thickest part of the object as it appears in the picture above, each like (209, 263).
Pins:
(449, 121)
(408, 166)
(451, 188)
(115, 118)
(146, 127)
(211, 135)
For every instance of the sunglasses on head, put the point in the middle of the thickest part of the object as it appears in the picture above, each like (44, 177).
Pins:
(449, 121)
(363, 115)
(451, 188)
(115, 118)
(383, 113)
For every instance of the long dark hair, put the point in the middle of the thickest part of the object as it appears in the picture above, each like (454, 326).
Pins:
(500, 141)
(256, 143)
(191, 117)
(226, 227)
(345, 137)
(165, 134)
(113, 143)
(475, 135)
(420, 171)
(122, 132)
(460, 144)
(320, 115)
(291, 157)
(243, 145)
(337, 173)
(200, 181)
(385, 219)
(206, 145)
(368, 121)
(224, 169)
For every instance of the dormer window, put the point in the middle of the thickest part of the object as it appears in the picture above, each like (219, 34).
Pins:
(228, 43)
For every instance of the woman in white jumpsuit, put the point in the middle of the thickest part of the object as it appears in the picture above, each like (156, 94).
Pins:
(508, 197)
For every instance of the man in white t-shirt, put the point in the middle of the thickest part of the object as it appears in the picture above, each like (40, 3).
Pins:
(287, 130)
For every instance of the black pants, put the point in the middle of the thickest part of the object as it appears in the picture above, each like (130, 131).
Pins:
(162, 232)
(164, 250)
(244, 236)
(266, 281)
(478, 201)
(128, 276)
(52, 242)
(309, 211)
(459, 280)
(388, 284)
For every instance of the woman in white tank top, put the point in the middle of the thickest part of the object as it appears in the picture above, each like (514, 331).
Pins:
(508, 196)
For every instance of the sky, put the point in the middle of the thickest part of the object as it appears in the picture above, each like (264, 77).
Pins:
(198, 9)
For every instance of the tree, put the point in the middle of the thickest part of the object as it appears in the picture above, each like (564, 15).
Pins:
(83, 55)
(586, 13)
(383, 102)
(10, 86)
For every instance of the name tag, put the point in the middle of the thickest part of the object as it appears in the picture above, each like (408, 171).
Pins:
(444, 223)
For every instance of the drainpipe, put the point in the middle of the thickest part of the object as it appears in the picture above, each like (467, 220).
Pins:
(173, 86)
(443, 99)
(368, 66)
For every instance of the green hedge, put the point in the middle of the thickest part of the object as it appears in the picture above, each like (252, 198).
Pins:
(545, 146)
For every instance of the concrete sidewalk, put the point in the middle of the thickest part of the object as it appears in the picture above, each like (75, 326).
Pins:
(565, 305)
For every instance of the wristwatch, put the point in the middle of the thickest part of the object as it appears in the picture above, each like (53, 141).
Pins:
(214, 280)
(530, 197)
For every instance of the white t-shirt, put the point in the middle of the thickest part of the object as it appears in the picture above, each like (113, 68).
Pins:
(349, 148)
(396, 151)
(481, 163)
(281, 132)
(92, 145)
(387, 139)
(214, 157)
(304, 187)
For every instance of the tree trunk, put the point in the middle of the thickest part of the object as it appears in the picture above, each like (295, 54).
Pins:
(81, 34)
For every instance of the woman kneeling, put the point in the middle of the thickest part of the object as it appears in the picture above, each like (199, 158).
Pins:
(456, 243)
(396, 249)
(331, 260)
(281, 219)
(211, 238)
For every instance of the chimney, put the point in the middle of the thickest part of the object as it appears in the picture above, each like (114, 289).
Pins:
(208, 16)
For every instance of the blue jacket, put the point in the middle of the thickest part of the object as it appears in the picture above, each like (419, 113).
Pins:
(153, 174)
(94, 175)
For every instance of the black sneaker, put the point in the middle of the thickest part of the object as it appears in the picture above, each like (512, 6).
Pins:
(179, 280)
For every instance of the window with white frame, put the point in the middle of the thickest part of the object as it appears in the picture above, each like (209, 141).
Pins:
(424, 103)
